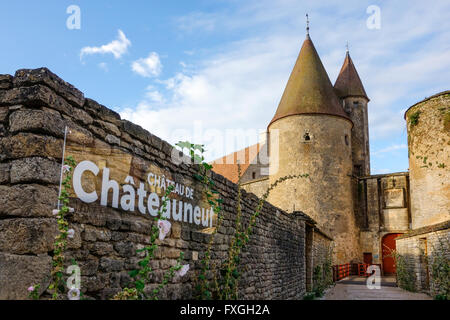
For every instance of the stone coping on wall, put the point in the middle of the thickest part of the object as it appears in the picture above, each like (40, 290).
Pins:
(255, 180)
(433, 228)
(394, 174)
(426, 99)
(311, 222)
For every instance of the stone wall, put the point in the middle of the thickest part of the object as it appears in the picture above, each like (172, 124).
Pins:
(420, 247)
(35, 107)
(428, 124)
(257, 187)
(384, 202)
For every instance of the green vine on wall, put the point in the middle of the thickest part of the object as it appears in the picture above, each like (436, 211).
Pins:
(225, 287)
(440, 271)
(406, 278)
(60, 243)
(142, 275)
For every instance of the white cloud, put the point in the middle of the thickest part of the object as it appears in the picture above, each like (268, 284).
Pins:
(103, 66)
(390, 149)
(239, 84)
(148, 67)
(117, 47)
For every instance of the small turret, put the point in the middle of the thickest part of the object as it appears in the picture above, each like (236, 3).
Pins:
(354, 100)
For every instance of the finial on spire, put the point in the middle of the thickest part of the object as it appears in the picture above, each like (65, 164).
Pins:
(347, 46)
(307, 25)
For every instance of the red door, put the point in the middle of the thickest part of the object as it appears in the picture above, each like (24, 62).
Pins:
(388, 244)
(367, 257)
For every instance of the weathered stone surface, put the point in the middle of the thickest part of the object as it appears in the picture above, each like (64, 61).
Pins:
(94, 283)
(27, 77)
(35, 96)
(125, 249)
(5, 81)
(4, 173)
(136, 131)
(36, 121)
(18, 272)
(94, 234)
(24, 145)
(3, 113)
(98, 110)
(112, 139)
(29, 200)
(35, 170)
(27, 235)
(82, 116)
(89, 267)
(108, 264)
(100, 248)
(108, 127)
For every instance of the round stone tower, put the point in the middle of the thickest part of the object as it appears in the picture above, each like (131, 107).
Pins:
(428, 124)
(311, 133)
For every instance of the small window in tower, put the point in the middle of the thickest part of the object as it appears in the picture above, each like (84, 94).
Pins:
(346, 140)
(307, 137)
(253, 175)
(358, 170)
(355, 103)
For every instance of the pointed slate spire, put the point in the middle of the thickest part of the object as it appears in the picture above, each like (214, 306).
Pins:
(309, 90)
(348, 82)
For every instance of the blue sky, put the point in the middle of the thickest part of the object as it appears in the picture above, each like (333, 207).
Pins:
(209, 71)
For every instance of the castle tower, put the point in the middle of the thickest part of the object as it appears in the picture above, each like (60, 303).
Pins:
(311, 133)
(353, 97)
(428, 124)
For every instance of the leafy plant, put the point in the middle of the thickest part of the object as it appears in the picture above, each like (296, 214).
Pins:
(60, 243)
(414, 118)
(142, 275)
(226, 282)
(440, 272)
(406, 279)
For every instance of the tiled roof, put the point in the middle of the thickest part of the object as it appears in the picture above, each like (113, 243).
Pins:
(348, 82)
(227, 166)
(309, 89)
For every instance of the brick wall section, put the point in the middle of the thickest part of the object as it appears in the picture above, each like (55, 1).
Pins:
(35, 105)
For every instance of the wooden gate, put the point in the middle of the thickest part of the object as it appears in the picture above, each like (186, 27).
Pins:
(388, 244)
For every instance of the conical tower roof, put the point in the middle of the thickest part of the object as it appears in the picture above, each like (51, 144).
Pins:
(309, 90)
(348, 82)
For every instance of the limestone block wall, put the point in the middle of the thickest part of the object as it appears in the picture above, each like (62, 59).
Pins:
(384, 200)
(428, 124)
(420, 247)
(257, 187)
(35, 106)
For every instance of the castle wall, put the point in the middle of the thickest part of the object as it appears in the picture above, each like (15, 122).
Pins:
(326, 195)
(257, 187)
(421, 250)
(428, 124)
(385, 202)
(35, 106)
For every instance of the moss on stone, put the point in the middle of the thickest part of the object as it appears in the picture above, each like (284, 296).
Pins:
(414, 118)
